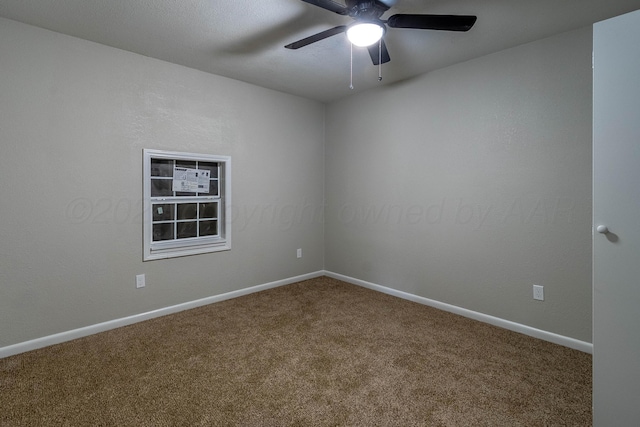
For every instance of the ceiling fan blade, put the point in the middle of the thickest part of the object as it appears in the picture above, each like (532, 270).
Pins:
(433, 22)
(329, 5)
(374, 53)
(317, 37)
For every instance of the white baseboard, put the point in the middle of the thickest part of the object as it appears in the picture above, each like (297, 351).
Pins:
(496, 321)
(129, 320)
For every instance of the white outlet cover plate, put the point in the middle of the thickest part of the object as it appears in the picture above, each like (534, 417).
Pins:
(538, 292)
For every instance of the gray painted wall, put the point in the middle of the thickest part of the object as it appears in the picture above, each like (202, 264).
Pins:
(74, 118)
(469, 184)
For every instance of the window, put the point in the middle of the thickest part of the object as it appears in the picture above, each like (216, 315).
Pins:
(187, 198)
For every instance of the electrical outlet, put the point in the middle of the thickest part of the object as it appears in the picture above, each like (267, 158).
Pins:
(538, 292)
(140, 281)
(299, 253)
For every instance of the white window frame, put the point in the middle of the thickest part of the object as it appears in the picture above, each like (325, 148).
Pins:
(178, 247)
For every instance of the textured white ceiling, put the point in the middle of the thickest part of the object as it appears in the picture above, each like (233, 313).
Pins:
(244, 39)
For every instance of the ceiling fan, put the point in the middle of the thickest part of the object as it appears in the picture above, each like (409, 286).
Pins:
(368, 29)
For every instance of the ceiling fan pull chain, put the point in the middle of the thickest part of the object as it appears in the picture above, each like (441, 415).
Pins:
(380, 60)
(351, 76)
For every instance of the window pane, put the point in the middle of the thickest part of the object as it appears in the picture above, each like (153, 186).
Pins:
(162, 232)
(208, 210)
(210, 166)
(161, 187)
(208, 228)
(187, 229)
(163, 212)
(185, 194)
(188, 211)
(161, 167)
(185, 164)
(213, 188)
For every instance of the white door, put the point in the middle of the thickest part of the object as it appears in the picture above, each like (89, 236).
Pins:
(616, 205)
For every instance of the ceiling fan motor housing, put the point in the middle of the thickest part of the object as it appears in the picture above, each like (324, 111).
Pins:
(366, 9)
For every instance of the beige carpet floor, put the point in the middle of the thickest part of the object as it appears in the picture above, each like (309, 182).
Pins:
(315, 353)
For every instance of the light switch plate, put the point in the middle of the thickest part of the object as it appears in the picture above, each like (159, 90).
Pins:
(140, 282)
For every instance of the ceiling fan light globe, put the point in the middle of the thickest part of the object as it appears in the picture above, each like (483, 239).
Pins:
(365, 34)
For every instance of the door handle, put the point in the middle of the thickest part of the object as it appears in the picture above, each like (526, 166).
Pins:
(602, 229)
